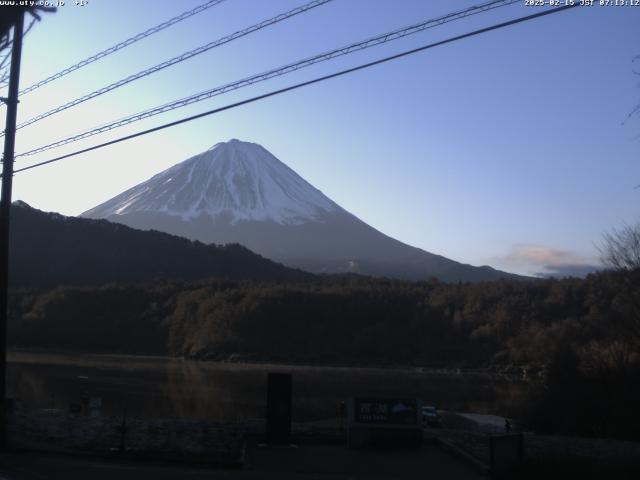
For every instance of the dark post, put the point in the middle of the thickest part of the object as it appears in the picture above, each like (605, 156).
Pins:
(5, 211)
(279, 409)
(506, 454)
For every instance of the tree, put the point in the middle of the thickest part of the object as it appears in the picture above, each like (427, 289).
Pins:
(621, 250)
(636, 109)
(8, 18)
(621, 253)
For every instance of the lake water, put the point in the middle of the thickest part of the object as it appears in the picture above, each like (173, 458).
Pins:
(165, 387)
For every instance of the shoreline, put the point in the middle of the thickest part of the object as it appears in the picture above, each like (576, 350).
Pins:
(22, 356)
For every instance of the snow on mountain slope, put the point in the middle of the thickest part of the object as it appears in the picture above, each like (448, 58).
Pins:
(238, 192)
(239, 179)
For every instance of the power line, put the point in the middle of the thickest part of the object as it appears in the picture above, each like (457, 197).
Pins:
(119, 46)
(177, 59)
(304, 84)
(283, 70)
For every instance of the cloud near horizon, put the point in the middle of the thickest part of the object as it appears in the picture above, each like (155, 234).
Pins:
(550, 262)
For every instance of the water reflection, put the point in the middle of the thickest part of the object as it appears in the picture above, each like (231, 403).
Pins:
(160, 387)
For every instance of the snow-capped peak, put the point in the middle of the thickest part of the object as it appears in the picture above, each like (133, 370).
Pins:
(235, 178)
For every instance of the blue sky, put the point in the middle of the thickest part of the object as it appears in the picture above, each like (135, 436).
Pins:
(507, 149)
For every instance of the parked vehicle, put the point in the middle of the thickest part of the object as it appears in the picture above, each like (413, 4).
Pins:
(430, 417)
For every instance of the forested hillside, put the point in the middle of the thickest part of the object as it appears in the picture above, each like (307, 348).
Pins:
(48, 249)
(330, 320)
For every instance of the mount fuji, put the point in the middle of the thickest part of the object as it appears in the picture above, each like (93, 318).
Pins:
(238, 192)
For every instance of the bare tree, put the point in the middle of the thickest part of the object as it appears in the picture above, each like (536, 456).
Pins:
(635, 109)
(621, 249)
(621, 253)
(8, 17)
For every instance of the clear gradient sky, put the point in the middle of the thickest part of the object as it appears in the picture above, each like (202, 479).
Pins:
(507, 149)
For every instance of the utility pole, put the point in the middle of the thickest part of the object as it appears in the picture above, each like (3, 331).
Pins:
(5, 212)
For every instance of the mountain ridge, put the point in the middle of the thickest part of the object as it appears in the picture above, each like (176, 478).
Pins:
(238, 192)
(49, 249)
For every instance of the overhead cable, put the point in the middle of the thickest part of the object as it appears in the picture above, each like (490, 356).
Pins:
(178, 59)
(119, 46)
(276, 72)
(302, 84)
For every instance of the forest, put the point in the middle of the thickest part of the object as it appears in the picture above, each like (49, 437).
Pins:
(579, 335)
(49, 249)
(335, 319)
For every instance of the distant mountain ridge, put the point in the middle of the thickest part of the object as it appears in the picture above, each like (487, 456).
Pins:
(49, 249)
(238, 192)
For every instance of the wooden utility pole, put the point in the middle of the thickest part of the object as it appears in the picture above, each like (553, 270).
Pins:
(5, 213)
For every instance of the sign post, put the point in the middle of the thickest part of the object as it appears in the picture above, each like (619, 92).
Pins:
(279, 405)
(384, 422)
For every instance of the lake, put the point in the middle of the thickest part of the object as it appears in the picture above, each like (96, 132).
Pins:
(175, 388)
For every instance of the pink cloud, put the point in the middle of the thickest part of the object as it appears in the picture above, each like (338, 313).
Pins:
(548, 261)
(545, 256)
